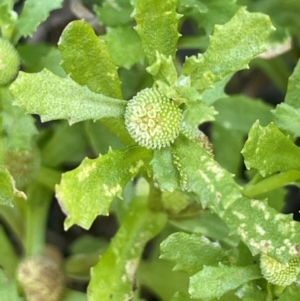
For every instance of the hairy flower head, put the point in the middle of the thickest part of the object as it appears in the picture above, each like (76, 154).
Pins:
(152, 119)
(278, 273)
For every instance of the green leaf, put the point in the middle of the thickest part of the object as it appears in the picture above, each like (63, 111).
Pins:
(18, 127)
(181, 296)
(287, 118)
(88, 190)
(175, 202)
(113, 278)
(250, 292)
(287, 114)
(32, 15)
(292, 95)
(207, 13)
(53, 98)
(157, 275)
(235, 118)
(164, 170)
(214, 282)
(7, 188)
(87, 60)
(198, 5)
(8, 256)
(8, 18)
(87, 244)
(36, 57)
(157, 23)
(288, 16)
(228, 144)
(209, 96)
(269, 151)
(209, 224)
(197, 113)
(239, 112)
(8, 289)
(211, 183)
(71, 295)
(263, 229)
(290, 293)
(125, 46)
(101, 138)
(114, 13)
(66, 145)
(231, 48)
(164, 69)
(193, 251)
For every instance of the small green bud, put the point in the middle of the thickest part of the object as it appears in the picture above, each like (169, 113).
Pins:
(152, 119)
(275, 272)
(9, 62)
(41, 279)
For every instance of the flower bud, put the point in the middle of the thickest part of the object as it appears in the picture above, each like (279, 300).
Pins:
(275, 272)
(41, 279)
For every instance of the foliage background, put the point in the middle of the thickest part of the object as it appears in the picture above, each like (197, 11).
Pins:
(63, 147)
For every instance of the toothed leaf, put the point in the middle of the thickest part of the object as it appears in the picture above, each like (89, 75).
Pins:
(157, 23)
(269, 150)
(33, 14)
(7, 188)
(164, 170)
(125, 46)
(231, 48)
(113, 278)
(53, 97)
(87, 60)
(263, 229)
(193, 251)
(214, 282)
(213, 185)
(114, 13)
(287, 114)
(87, 191)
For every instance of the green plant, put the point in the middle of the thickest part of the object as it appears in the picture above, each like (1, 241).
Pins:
(128, 98)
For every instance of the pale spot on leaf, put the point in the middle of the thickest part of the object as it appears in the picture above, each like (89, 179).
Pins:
(259, 230)
(86, 171)
(239, 215)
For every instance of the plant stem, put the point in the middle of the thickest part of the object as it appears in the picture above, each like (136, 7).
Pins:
(13, 218)
(38, 204)
(155, 202)
(48, 177)
(271, 183)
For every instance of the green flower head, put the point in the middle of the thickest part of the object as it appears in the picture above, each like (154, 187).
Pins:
(278, 273)
(152, 119)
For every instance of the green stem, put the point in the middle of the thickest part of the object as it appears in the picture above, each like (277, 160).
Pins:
(271, 183)
(269, 292)
(48, 177)
(38, 204)
(13, 219)
(155, 202)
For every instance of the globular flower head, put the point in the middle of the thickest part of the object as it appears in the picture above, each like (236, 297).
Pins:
(9, 62)
(41, 278)
(152, 119)
(278, 273)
